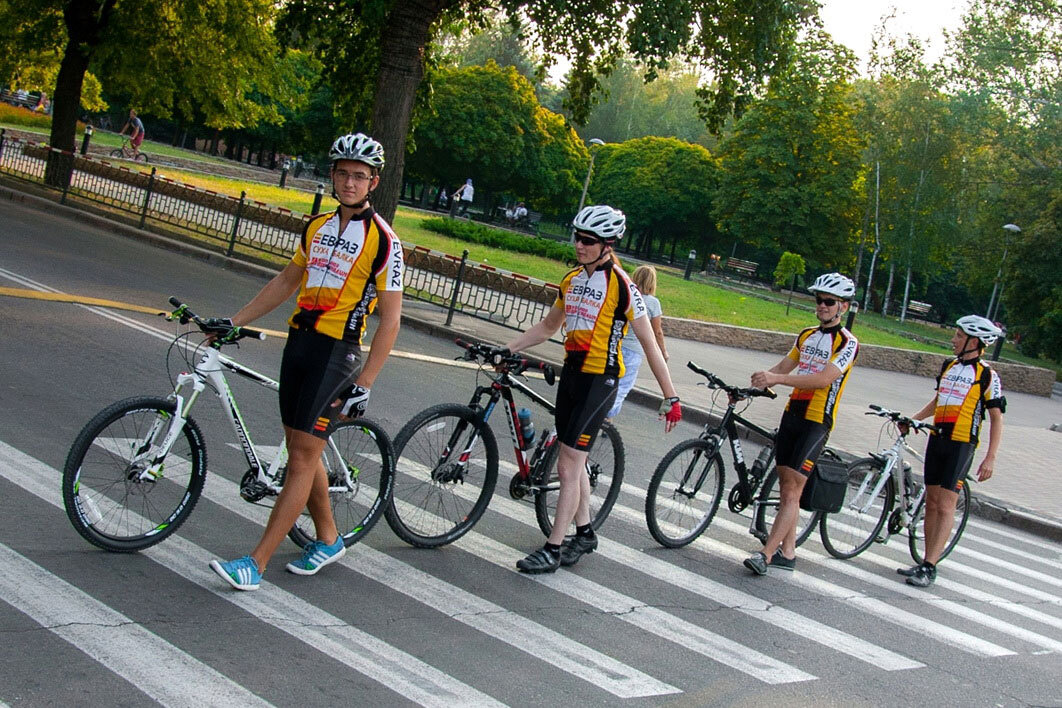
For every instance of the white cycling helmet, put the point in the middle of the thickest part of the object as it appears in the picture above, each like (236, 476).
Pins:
(360, 147)
(834, 284)
(601, 220)
(980, 327)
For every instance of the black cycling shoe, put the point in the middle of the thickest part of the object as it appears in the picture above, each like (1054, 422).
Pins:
(924, 577)
(908, 572)
(757, 563)
(540, 561)
(781, 562)
(574, 549)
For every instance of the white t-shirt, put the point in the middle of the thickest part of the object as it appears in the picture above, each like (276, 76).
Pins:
(630, 340)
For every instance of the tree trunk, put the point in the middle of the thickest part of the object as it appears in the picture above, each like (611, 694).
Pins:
(84, 20)
(402, 41)
(888, 289)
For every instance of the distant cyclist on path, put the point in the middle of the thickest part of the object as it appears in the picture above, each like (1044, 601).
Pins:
(136, 135)
(967, 390)
(597, 303)
(346, 263)
(823, 358)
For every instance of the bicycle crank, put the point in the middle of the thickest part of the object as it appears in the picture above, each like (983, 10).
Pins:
(251, 489)
(518, 487)
(738, 500)
(895, 522)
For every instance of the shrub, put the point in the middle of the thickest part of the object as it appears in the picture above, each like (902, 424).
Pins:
(497, 238)
(16, 115)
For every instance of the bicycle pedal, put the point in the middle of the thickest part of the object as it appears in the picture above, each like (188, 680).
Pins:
(251, 489)
(882, 538)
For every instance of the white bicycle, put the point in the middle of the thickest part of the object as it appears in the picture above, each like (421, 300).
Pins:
(137, 469)
(884, 498)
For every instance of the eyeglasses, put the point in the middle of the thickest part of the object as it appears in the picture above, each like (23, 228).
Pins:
(587, 240)
(827, 301)
(343, 176)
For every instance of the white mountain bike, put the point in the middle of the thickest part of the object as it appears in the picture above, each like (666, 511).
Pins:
(137, 469)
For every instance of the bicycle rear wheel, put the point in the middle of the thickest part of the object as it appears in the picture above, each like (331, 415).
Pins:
(851, 530)
(684, 493)
(118, 152)
(917, 534)
(359, 461)
(446, 466)
(108, 497)
(767, 510)
(605, 463)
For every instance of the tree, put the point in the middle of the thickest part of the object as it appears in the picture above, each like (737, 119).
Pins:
(1033, 293)
(791, 167)
(204, 58)
(665, 186)
(507, 143)
(789, 266)
(737, 42)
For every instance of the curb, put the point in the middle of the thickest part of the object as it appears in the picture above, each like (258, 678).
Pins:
(982, 506)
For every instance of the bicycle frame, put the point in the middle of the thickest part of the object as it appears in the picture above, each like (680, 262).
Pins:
(501, 388)
(210, 370)
(895, 468)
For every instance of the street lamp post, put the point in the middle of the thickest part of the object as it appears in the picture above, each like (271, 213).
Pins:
(997, 286)
(586, 183)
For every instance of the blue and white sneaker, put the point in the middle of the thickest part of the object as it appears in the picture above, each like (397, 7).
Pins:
(317, 555)
(241, 573)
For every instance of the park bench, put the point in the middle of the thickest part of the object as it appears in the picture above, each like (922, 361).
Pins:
(918, 309)
(26, 100)
(744, 268)
(530, 221)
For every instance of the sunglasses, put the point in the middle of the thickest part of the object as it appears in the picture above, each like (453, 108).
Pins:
(827, 301)
(587, 240)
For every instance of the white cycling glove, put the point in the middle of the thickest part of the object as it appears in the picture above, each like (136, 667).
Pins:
(355, 401)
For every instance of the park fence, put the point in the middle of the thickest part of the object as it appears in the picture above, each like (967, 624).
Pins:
(247, 227)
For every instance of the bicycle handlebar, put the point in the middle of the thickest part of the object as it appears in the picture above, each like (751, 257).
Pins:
(734, 392)
(185, 315)
(897, 417)
(512, 364)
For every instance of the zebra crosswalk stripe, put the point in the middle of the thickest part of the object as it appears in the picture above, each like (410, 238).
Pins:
(393, 668)
(162, 671)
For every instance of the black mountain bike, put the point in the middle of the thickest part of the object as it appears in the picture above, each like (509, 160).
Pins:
(687, 486)
(447, 459)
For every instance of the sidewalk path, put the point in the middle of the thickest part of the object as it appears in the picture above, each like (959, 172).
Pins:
(1025, 491)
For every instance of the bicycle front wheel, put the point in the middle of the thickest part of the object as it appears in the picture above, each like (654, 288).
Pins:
(605, 463)
(359, 462)
(120, 492)
(917, 533)
(446, 466)
(118, 152)
(684, 493)
(767, 510)
(851, 530)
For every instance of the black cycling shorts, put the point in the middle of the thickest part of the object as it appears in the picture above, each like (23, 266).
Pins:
(947, 462)
(314, 369)
(583, 401)
(799, 443)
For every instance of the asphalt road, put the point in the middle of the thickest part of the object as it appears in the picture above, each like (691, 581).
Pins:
(631, 624)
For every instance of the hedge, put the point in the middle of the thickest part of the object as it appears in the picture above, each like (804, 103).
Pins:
(486, 236)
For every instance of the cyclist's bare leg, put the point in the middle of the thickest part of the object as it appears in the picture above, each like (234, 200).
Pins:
(783, 531)
(302, 479)
(573, 500)
(940, 515)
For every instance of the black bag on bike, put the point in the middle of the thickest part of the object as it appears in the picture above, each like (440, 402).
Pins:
(825, 488)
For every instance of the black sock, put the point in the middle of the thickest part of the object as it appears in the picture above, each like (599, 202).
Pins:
(552, 548)
(586, 531)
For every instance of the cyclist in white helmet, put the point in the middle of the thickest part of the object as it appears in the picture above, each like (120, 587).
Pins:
(967, 389)
(822, 358)
(347, 262)
(597, 303)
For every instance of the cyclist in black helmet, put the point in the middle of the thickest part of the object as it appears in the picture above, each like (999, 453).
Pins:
(346, 263)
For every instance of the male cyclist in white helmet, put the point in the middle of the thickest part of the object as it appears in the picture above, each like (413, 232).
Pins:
(967, 389)
(822, 357)
(346, 263)
(597, 303)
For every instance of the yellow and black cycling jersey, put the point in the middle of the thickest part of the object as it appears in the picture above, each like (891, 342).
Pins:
(344, 273)
(597, 311)
(814, 349)
(965, 390)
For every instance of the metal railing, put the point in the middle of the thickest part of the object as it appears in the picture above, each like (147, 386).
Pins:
(511, 300)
